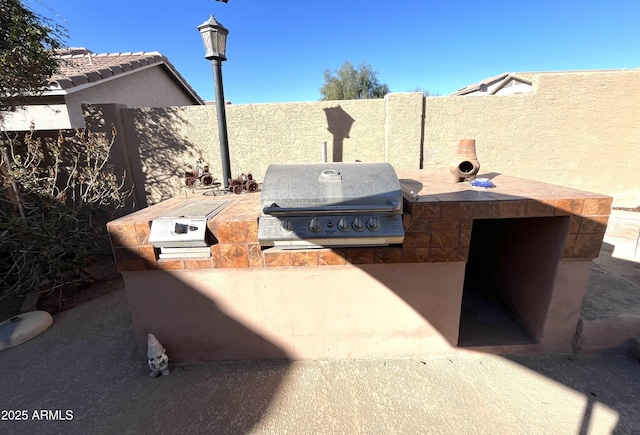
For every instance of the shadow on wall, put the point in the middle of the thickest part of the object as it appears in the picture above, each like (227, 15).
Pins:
(163, 154)
(148, 147)
(339, 125)
(243, 331)
(522, 282)
(101, 119)
(193, 326)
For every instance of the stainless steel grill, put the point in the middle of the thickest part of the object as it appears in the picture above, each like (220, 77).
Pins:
(330, 205)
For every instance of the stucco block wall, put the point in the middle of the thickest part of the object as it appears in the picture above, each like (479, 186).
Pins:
(404, 125)
(169, 141)
(260, 134)
(578, 129)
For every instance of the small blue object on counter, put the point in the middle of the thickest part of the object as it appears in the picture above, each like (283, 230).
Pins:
(483, 182)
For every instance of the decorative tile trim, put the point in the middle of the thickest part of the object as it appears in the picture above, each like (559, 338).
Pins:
(328, 257)
(234, 255)
(360, 255)
(254, 254)
(304, 258)
(437, 229)
(170, 264)
(387, 255)
(277, 258)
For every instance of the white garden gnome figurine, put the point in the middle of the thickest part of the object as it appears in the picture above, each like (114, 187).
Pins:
(158, 360)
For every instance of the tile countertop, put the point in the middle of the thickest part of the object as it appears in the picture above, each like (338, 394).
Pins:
(437, 220)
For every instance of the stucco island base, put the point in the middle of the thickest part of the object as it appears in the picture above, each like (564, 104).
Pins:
(362, 311)
(525, 244)
(298, 312)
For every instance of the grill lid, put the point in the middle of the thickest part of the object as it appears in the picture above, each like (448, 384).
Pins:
(327, 187)
(330, 204)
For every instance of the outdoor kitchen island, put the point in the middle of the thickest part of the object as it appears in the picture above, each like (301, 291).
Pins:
(500, 270)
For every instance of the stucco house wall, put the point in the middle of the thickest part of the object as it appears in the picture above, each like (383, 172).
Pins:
(43, 117)
(130, 79)
(578, 129)
(150, 87)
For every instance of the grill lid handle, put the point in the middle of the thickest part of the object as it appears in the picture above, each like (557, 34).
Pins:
(275, 210)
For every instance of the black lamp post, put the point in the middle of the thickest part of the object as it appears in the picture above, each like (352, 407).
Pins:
(214, 38)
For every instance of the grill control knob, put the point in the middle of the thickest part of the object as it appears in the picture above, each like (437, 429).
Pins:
(315, 225)
(286, 225)
(343, 225)
(374, 223)
(358, 224)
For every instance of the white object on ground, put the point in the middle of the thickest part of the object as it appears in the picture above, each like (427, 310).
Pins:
(23, 327)
(158, 360)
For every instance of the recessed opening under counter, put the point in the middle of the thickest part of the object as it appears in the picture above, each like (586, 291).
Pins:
(407, 300)
(509, 279)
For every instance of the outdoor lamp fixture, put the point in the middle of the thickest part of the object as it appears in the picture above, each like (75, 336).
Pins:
(214, 38)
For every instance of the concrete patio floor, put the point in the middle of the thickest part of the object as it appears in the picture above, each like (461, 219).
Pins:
(87, 363)
(610, 314)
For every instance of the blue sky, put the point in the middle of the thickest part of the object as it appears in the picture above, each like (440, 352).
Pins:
(278, 50)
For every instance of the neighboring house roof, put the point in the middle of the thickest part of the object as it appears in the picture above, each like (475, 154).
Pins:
(82, 68)
(493, 85)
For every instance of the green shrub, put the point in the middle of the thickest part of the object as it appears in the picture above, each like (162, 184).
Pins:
(56, 196)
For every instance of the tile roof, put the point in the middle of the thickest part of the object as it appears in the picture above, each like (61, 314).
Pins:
(484, 84)
(81, 66)
(480, 85)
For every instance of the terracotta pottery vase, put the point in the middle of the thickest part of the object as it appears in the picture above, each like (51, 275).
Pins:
(466, 166)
